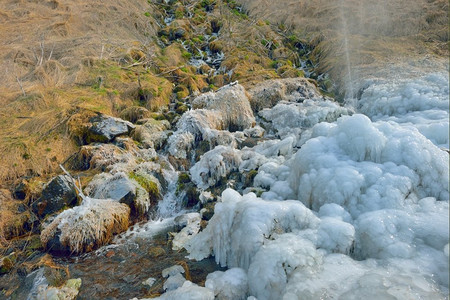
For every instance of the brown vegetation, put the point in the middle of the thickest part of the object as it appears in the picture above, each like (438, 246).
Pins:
(375, 34)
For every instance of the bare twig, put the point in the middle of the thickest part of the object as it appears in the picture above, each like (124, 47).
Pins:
(21, 86)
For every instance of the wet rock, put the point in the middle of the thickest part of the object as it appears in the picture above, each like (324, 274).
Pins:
(57, 194)
(120, 187)
(85, 227)
(90, 127)
(106, 128)
(152, 134)
(268, 93)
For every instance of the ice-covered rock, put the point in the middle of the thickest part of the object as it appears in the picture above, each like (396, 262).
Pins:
(232, 102)
(172, 271)
(215, 165)
(191, 224)
(189, 291)
(86, 227)
(100, 157)
(291, 118)
(57, 194)
(380, 165)
(268, 93)
(68, 291)
(229, 285)
(242, 224)
(275, 262)
(152, 134)
(174, 282)
(421, 103)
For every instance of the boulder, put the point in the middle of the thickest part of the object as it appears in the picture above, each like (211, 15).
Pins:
(86, 227)
(232, 102)
(57, 194)
(268, 93)
(98, 157)
(90, 127)
(215, 165)
(152, 134)
(105, 128)
(138, 191)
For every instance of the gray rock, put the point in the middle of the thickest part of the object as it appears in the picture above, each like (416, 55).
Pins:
(268, 93)
(105, 128)
(57, 194)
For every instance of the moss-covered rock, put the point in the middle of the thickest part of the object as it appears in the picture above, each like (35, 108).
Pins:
(134, 113)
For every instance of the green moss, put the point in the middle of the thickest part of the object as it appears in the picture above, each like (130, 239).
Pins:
(150, 186)
(184, 178)
(186, 55)
(147, 14)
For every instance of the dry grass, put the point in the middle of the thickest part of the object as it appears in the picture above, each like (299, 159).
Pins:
(375, 33)
(88, 226)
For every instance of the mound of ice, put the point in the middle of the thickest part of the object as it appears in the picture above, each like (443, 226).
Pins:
(242, 224)
(422, 103)
(291, 118)
(215, 165)
(365, 166)
(189, 291)
(340, 277)
(229, 285)
(274, 263)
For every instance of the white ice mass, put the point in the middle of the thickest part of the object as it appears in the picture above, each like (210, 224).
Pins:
(356, 207)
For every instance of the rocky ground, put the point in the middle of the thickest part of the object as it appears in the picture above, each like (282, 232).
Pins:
(158, 129)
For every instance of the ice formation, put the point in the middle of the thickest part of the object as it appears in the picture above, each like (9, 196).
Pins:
(215, 165)
(229, 285)
(370, 215)
(421, 103)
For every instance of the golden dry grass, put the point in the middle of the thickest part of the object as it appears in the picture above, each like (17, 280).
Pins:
(376, 34)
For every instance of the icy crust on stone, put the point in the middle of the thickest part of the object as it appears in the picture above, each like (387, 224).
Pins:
(215, 165)
(291, 118)
(422, 103)
(214, 119)
(268, 93)
(86, 227)
(232, 103)
(365, 166)
(188, 291)
(340, 277)
(241, 224)
(229, 285)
